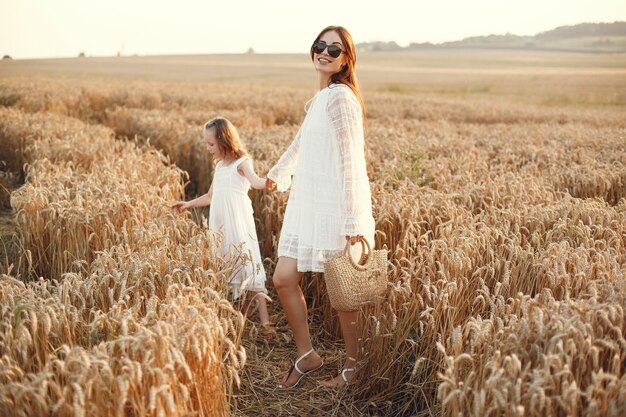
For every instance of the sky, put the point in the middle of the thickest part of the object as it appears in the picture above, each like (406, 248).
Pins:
(64, 28)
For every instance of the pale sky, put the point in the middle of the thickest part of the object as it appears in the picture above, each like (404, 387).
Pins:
(63, 28)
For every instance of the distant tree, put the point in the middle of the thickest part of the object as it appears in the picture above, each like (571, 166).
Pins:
(423, 45)
(81, 55)
(250, 50)
(601, 31)
(584, 29)
(7, 57)
(378, 46)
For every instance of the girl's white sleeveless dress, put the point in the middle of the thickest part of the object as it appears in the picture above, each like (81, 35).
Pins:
(330, 197)
(231, 215)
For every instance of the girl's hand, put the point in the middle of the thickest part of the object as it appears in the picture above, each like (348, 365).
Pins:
(179, 205)
(269, 185)
(354, 239)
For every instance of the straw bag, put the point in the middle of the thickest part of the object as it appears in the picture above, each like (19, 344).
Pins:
(351, 285)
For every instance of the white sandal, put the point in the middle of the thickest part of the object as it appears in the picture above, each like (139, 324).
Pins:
(333, 383)
(343, 375)
(297, 369)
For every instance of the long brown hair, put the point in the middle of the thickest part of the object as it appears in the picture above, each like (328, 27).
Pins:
(226, 137)
(346, 75)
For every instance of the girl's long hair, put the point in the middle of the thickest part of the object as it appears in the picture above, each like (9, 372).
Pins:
(346, 75)
(226, 137)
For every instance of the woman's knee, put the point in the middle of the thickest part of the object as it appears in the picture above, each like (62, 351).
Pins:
(282, 280)
(286, 274)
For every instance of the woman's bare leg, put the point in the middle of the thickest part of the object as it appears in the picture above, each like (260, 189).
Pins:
(351, 331)
(287, 284)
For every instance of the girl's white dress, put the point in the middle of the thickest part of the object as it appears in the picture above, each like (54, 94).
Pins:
(330, 197)
(231, 215)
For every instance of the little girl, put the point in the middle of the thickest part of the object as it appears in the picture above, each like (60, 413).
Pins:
(231, 210)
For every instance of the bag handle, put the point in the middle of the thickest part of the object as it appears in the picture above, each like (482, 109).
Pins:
(364, 244)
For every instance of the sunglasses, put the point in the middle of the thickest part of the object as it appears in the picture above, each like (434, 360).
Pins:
(333, 50)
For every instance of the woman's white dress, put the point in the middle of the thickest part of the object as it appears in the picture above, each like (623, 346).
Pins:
(330, 197)
(231, 215)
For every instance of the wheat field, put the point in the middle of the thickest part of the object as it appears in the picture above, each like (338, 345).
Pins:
(499, 188)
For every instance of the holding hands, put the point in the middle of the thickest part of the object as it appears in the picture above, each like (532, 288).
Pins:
(269, 185)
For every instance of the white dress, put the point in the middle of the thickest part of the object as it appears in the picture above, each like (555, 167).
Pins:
(330, 197)
(231, 215)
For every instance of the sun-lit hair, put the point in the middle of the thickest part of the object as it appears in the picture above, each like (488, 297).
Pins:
(346, 75)
(226, 137)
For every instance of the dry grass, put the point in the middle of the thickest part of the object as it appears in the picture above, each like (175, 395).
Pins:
(504, 213)
(134, 315)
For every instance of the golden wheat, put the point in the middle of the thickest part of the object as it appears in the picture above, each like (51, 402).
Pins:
(505, 221)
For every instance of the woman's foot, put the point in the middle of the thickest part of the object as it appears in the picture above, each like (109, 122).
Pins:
(304, 365)
(344, 378)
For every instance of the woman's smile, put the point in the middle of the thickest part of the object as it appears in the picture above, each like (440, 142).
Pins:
(323, 62)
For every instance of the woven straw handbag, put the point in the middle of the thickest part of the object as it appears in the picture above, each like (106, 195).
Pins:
(351, 285)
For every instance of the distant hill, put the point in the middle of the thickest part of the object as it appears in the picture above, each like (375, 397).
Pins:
(584, 37)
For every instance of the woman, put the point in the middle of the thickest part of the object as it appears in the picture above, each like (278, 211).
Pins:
(330, 199)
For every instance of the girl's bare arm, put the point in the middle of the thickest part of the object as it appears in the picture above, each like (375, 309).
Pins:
(247, 171)
(202, 201)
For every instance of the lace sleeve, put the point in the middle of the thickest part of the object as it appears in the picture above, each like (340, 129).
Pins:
(345, 116)
(285, 167)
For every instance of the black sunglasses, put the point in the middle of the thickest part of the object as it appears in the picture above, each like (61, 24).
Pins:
(333, 50)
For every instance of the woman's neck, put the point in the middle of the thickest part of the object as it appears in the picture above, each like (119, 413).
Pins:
(324, 80)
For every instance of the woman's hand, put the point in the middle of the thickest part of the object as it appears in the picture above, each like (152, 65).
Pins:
(354, 239)
(269, 185)
(180, 205)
